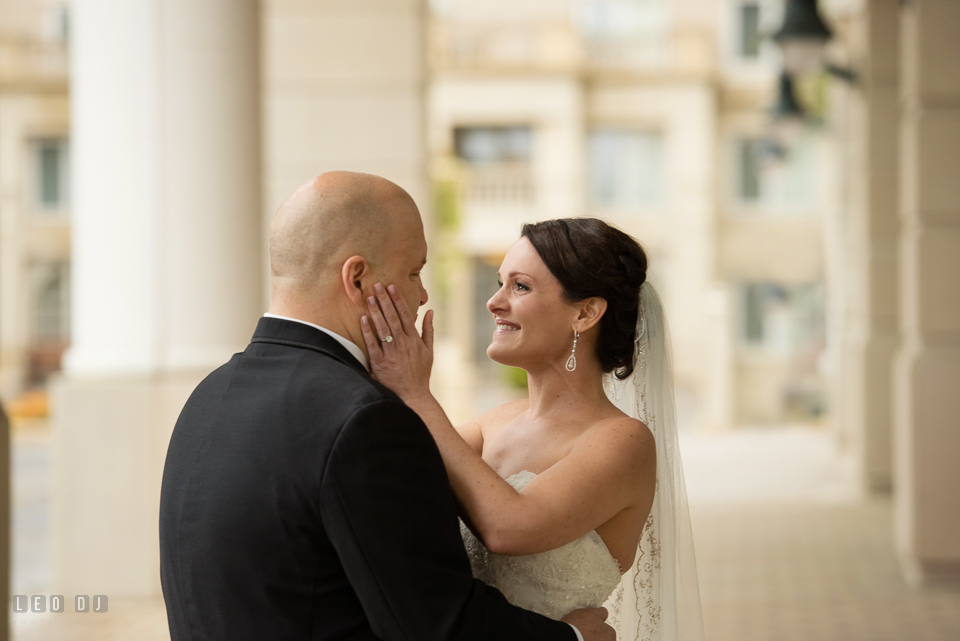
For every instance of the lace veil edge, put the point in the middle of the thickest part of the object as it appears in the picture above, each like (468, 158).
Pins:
(658, 598)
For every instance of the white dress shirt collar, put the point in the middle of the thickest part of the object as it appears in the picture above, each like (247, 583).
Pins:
(350, 346)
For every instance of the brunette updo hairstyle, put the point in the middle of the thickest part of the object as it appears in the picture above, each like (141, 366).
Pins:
(591, 258)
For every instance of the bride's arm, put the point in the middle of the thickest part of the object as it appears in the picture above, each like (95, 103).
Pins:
(471, 433)
(597, 479)
(585, 489)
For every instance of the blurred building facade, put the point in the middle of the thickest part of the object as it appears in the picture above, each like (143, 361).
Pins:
(823, 279)
(653, 115)
(34, 203)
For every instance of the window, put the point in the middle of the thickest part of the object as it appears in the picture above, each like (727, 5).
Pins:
(782, 318)
(749, 159)
(768, 176)
(479, 145)
(52, 318)
(51, 174)
(56, 24)
(626, 167)
(749, 45)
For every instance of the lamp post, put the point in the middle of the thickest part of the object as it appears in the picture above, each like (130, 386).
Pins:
(802, 36)
(787, 115)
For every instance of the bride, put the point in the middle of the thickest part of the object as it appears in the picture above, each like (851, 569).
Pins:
(573, 497)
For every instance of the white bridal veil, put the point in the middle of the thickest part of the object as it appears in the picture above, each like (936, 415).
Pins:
(658, 598)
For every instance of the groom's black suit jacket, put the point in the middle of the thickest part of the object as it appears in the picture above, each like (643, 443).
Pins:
(303, 500)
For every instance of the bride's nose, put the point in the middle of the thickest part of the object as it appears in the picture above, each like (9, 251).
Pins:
(497, 302)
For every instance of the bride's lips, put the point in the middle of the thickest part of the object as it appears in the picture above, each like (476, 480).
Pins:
(505, 327)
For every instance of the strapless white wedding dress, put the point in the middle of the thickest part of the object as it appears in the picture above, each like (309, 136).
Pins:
(580, 574)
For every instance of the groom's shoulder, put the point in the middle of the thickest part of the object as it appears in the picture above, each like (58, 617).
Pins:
(299, 378)
(331, 380)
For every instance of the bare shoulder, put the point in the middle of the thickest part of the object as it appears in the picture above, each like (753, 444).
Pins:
(623, 440)
(490, 422)
(475, 431)
(503, 414)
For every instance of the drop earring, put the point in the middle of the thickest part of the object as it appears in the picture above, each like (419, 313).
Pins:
(572, 361)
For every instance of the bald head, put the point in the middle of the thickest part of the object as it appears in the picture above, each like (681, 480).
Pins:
(332, 217)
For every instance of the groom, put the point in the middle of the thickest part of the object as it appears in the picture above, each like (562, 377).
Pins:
(301, 499)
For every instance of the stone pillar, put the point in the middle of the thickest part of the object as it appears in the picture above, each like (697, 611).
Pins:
(166, 253)
(872, 332)
(927, 402)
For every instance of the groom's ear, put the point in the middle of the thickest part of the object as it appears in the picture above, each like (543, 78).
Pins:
(355, 275)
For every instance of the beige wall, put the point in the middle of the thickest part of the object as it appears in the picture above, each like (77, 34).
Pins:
(33, 105)
(27, 237)
(343, 89)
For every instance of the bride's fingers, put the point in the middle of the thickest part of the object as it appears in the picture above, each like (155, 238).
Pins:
(428, 329)
(370, 338)
(383, 330)
(389, 308)
(407, 322)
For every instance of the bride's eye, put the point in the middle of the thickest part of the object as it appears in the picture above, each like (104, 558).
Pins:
(499, 283)
(521, 286)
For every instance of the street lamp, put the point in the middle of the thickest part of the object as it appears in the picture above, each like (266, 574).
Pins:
(802, 36)
(787, 114)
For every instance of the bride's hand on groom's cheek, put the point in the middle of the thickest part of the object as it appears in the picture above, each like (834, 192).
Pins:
(400, 357)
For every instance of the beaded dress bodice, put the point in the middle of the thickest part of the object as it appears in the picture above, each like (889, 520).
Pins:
(580, 574)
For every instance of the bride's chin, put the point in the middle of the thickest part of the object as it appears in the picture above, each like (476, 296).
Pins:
(497, 355)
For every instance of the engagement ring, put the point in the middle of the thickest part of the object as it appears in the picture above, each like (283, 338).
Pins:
(388, 339)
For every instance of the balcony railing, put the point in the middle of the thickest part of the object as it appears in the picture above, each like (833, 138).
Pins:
(599, 35)
(638, 51)
(494, 200)
(510, 45)
(505, 186)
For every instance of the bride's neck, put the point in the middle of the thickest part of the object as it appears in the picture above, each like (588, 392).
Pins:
(554, 391)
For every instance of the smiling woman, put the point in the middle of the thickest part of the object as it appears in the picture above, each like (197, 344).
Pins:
(601, 261)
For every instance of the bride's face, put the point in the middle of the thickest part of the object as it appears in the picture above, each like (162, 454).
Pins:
(534, 324)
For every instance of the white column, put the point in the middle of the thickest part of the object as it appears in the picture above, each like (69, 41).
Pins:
(927, 403)
(166, 179)
(210, 152)
(114, 167)
(166, 261)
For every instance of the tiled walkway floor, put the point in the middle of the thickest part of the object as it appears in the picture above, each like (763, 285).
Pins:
(785, 551)
(812, 572)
